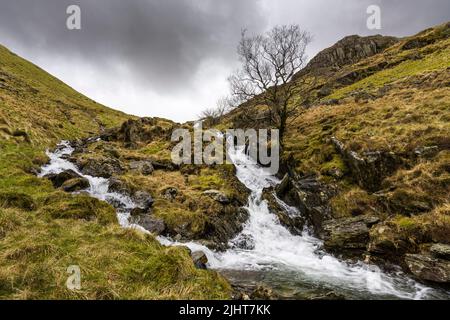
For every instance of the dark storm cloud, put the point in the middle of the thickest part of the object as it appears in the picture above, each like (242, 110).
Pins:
(161, 43)
(171, 58)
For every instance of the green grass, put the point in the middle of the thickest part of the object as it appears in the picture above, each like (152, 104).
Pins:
(43, 231)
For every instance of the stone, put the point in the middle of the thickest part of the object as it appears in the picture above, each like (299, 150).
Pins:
(170, 193)
(348, 233)
(200, 259)
(151, 224)
(441, 251)
(76, 184)
(105, 168)
(143, 200)
(144, 167)
(369, 168)
(428, 268)
(118, 186)
(59, 178)
(217, 196)
(262, 293)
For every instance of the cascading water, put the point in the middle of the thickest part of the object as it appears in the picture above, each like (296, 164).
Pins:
(268, 249)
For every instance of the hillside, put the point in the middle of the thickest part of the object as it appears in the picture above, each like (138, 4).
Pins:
(44, 230)
(373, 134)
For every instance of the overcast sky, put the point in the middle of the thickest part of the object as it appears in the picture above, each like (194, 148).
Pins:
(171, 58)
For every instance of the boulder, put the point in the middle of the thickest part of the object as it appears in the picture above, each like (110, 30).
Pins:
(309, 196)
(170, 193)
(144, 167)
(143, 200)
(200, 259)
(76, 184)
(428, 268)
(149, 223)
(119, 186)
(441, 251)
(289, 217)
(348, 233)
(369, 168)
(59, 178)
(217, 196)
(104, 168)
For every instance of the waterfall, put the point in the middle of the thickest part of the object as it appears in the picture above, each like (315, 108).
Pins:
(264, 245)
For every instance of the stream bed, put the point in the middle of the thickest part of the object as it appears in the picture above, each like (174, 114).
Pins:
(265, 252)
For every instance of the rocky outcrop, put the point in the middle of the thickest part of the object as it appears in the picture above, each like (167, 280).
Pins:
(133, 132)
(103, 167)
(348, 233)
(348, 51)
(369, 169)
(310, 197)
(428, 268)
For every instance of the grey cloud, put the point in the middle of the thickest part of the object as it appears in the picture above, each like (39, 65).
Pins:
(159, 43)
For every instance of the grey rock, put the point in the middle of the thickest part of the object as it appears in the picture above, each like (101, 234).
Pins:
(348, 233)
(370, 168)
(440, 251)
(154, 225)
(170, 193)
(217, 196)
(200, 259)
(143, 200)
(144, 167)
(428, 268)
(76, 184)
(59, 179)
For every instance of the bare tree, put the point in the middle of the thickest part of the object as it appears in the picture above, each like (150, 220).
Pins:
(269, 62)
(212, 115)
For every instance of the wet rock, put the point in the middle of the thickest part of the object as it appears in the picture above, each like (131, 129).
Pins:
(348, 233)
(217, 196)
(428, 268)
(262, 293)
(119, 186)
(144, 167)
(309, 196)
(441, 251)
(200, 259)
(59, 179)
(143, 200)
(224, 223)
(104, 168)
(170, 193)
(289, 217)
(370, 168)
(76, 184)
(149, 223)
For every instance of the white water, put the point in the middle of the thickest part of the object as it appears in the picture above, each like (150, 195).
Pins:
(270, 246)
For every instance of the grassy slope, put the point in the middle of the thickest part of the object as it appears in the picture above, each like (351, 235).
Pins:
(43, 231)
(399, 101)
(408, 107)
